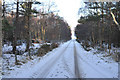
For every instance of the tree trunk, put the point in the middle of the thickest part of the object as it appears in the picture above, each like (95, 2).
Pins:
(14, 32)
(3, 11)
(0, 28)
(29, 32)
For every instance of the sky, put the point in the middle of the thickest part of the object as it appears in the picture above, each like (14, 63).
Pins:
(69, 10)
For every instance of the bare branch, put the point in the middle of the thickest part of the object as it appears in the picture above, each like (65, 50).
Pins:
(113, 16)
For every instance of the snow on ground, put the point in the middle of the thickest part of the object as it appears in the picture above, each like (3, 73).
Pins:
(9, 63)
(93, 65)
(60, 63)
(0, 68)
(8, 47)
(9, 59)
(64, 68)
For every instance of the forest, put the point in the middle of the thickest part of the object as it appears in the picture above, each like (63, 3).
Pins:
(39, 40)
(99, 27)
(22, 23)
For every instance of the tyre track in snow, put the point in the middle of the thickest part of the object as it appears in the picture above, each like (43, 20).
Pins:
(76, 65)
(45, 69)
(78, 56)
(69, 70)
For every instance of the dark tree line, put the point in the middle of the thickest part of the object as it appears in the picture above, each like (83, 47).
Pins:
(50, 29)
(100, 25)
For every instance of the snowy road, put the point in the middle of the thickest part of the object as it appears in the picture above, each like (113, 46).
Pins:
(70, 60)
(60, 63)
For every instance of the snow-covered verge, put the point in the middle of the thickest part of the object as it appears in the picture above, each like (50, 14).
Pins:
(8, 47)
(92, 65)
(113, 52)
(37, 64)
(8, 62)
(0, 68)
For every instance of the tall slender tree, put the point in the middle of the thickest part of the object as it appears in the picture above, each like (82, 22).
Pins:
(14, 31)
(0, 38)
(0, 28)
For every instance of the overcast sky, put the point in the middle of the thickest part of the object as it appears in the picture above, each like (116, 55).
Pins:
(69, 10)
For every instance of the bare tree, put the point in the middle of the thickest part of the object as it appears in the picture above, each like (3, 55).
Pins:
(0, 37)
(14, 32)
(0, 28)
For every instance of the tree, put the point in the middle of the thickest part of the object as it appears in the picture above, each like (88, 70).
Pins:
(14, 32)
(0, 28)
(27, 12)
(101, 23)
